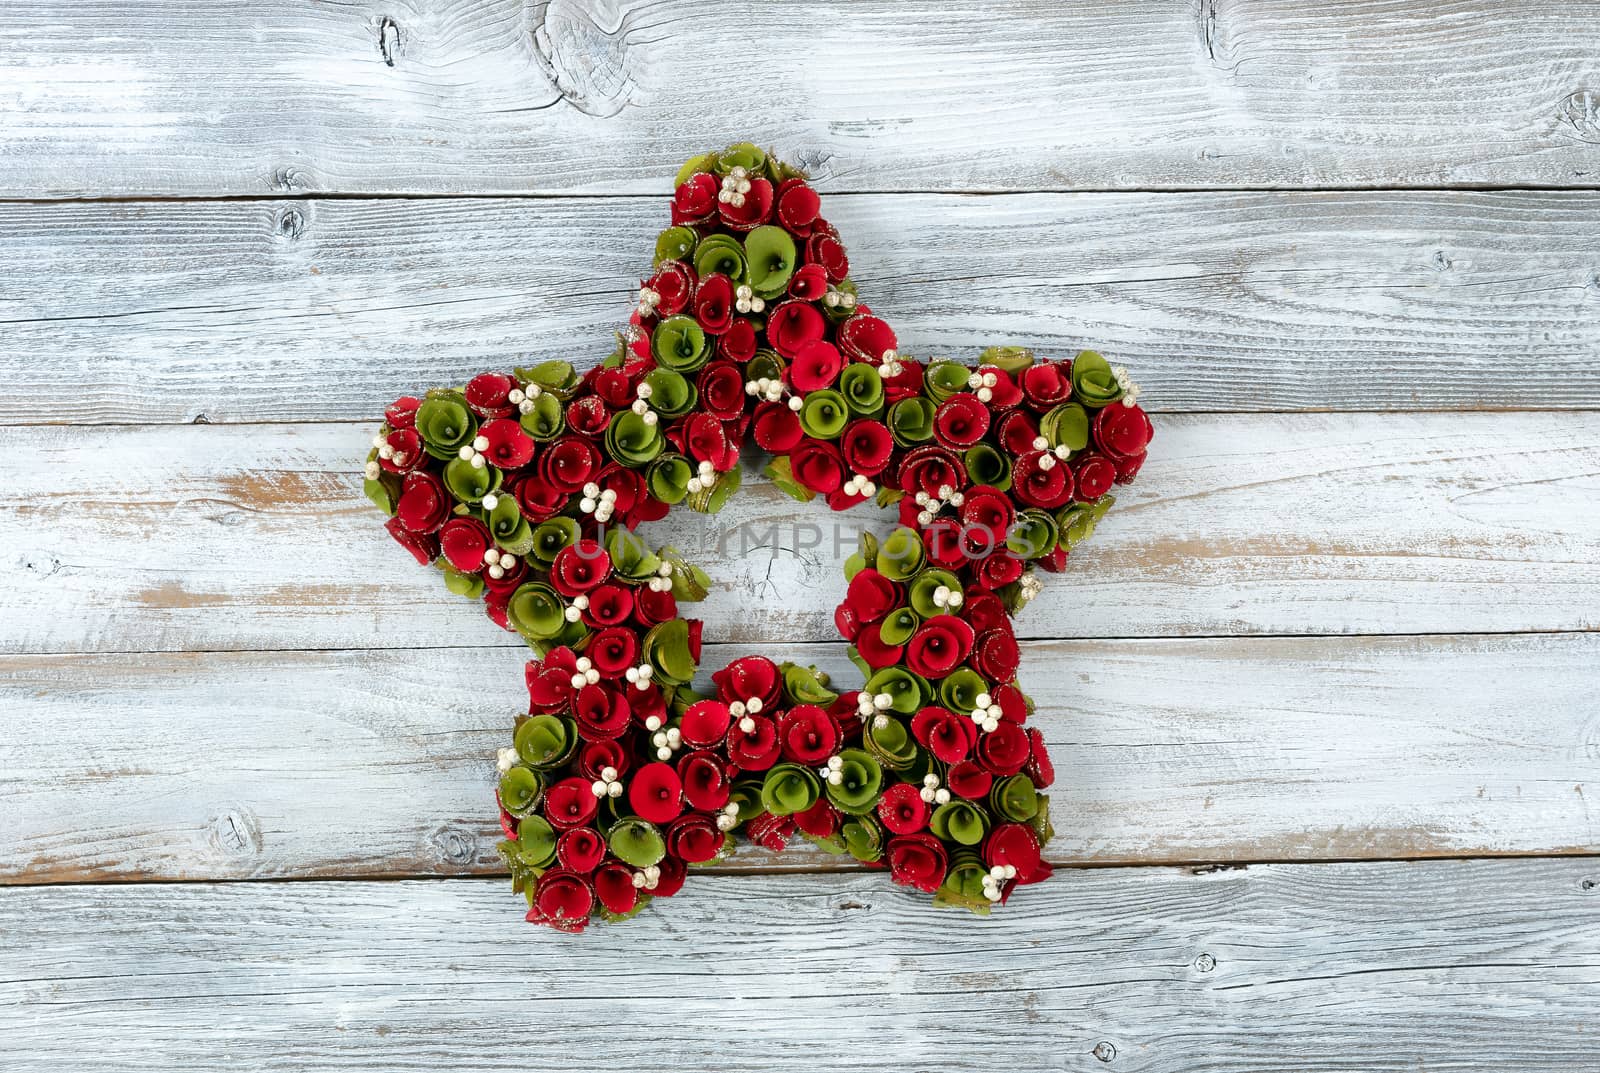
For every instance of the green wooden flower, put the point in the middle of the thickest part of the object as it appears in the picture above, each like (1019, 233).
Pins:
(861, 783)
(543, 741)
(537, 610)
(790, 788)
(985, 465)
(911, 421)
(770, 258)
(637, 842)
(824, 414)
(1033, 534)
(1093, 382)
(1015, 798)
(720, 254)
(862, 389)
(922, 588)
(959, 820)
(675, 244)
(680, 344)
(1066, 426)
(445, 424)
(519, 791)
(901, 555)
(907, 690)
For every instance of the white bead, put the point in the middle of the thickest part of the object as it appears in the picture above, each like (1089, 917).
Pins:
(979, 716)
(930, 780)
(945, 491)
(584, 663)
(985, 394)
(1011, 871)
(1063, 452)
(974, 381)
(579, 681)
(609, 773)
(997, 872)
(597, 788)
(571, 614)
(835, 763)
(889, 355)
(995, 711)
(379, 440)
(581, 602)
(927, 795)
(751, 387)
(748, 725)
(957, 499)
(882, 701)
(880, 721)
(956, 599)
(674, 737)
(725, 195)
(753, 705)
(991, 380)
(615, 789)
(505, 759)
(525, 406)
(922, 499)
(794, 403)
(492, 556)
(831, 299)
(665, 569)
(663, 753)
(466, 452)
(835, 778)
(373, 470)
(924, 517)
(707, 468)
(586, 505)
(737, 172)
(651, 418)
(736, 709)
(640, 406)
(868, 488)
(984, 700)
(608, 496)
(386, 452)
(992, 894)
(659, 739)
(638, 879)
(507, 561)
(481, 443)
(591, 490)
(653, 723)
(652, 871)
(991, 725)
(1047, 462)
(631, 674)
(731, 809)
(725, 823)
(497, 571)
(515, 396)
(1041, 444)
(941, 797)
(491, 501)
(645, 670)
(591, 676)
(477, 462)
(743, 187)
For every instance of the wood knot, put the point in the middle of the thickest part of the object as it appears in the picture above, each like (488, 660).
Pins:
(1104, 1051)
(235, 832)
(586, 63)
(1581, 112)
(454, 846)
(291, 222)
(1588, 884)
(388, 39)
(1205, 963)
(290, 179)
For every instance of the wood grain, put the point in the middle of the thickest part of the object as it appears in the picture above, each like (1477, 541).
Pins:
(264, 765)
(445, 96)
(258, 537)
(1374, 968)
(261, 310)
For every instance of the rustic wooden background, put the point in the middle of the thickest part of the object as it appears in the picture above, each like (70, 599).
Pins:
(1324, 692)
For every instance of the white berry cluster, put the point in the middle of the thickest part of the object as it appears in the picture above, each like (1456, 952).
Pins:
(771, 389)
(889, 364)
(987, 713)
(833, 770)
(586, 674)
(607, 785)
(875, 707)
(647, 879)
(859, 485)
(743, 710)
(996, 878)
(705, 476)
(932, 792)
(983, 382)
(505, 759)
(640, 676)
(728, 819)
(575, 610)
(602, 504)
(473, 452)
(387, 453)
(1130, 390)
(648, 300)
(498, 562)
(837, 299)
(932, 505)
(735, 185)
(662, 582)
(641, 405)
(666, 741)
(746, 300)
(1028, 587)
(522, 398)
(946, 597)
(1047, 461)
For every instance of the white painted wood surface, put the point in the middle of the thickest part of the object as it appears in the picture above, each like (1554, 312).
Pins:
(258, 536)
(213, 665)
(299, 310)
(1354, 968)
(289, 764)
(475, 96)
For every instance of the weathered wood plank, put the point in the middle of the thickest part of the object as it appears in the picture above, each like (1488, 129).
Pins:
(502, 96)
(251, 765)
(259, 310)
(1464, 966)
(243, 537)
